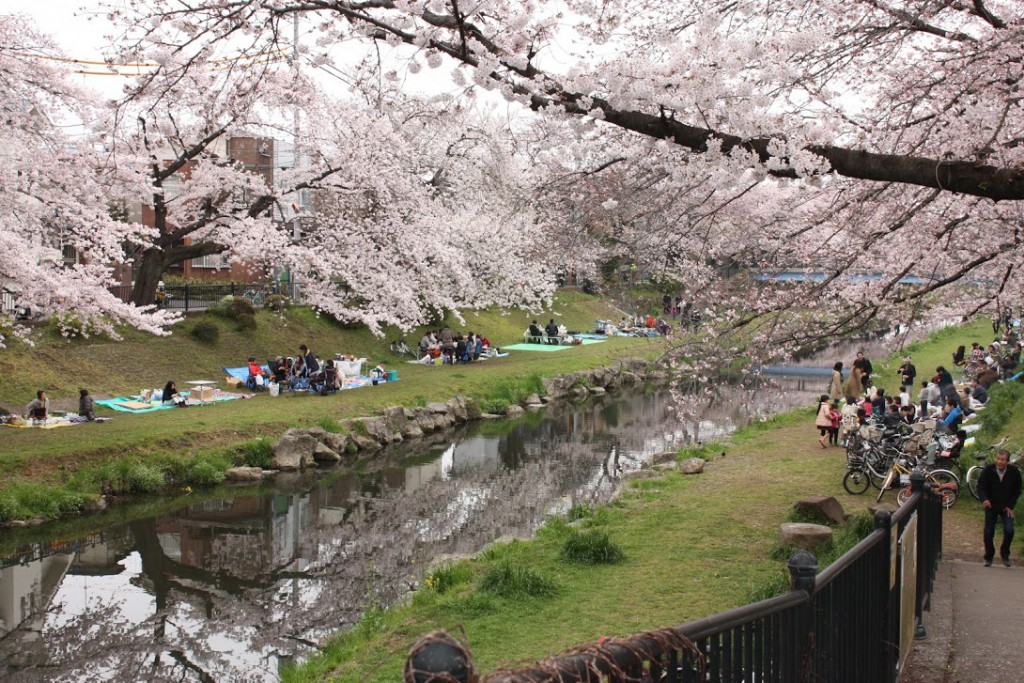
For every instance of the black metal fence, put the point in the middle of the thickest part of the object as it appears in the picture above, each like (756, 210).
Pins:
(192, 298)
(852, 623)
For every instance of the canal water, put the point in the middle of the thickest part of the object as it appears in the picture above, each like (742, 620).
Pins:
(236, 583)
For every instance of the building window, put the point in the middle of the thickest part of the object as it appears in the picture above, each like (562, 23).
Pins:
(215, 261)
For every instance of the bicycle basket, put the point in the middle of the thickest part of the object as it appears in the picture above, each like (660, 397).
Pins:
(871, 432)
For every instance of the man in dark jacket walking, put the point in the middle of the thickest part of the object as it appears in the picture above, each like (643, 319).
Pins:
(999, 489)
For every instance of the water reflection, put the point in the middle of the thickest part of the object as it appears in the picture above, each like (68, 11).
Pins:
(228, 589)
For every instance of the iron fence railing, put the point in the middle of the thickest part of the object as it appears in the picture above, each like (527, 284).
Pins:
(196, 297)
(848, 624)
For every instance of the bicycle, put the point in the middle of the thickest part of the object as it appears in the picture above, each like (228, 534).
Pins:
(974, 473)
(943, 482)
(401, 349)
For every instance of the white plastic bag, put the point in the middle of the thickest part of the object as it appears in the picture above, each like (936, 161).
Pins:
(274, 388)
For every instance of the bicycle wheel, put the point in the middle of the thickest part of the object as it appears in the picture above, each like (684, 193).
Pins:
(971, 479)
(399, 348)
(902, 495)
(946, 485)
(856, 482)
(886, 483)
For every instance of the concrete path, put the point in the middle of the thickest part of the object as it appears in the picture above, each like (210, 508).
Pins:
(975, 627)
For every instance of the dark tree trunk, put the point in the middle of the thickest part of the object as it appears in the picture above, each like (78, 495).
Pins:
(151, 269)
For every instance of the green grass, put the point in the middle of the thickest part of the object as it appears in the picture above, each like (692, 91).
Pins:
(591, 547)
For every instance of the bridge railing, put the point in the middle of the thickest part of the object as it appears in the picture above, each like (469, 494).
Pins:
(852, 623)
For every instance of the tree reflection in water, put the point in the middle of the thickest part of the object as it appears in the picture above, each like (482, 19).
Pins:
(227, 589)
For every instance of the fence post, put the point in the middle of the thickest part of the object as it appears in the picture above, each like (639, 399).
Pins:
(889, 655)
(232, 288)
(439, 658)
(186, 297)
(924, 521)
(803, 571)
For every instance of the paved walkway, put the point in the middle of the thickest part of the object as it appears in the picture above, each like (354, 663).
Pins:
(975, 627)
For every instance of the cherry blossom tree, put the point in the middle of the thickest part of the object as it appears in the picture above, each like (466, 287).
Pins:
(851, 137)
(58, 198)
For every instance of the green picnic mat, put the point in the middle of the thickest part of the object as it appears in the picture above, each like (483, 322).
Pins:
(548, 347)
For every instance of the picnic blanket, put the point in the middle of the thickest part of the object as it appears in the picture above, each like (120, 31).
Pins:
(549, 347)
(49, 423)
(434, 360)
(132, 404)
(243, 372)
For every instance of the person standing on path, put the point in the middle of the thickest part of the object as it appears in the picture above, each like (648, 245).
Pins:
(835, 387)
(824, 420)
(864, 365)
(999, 489)
(907, 372)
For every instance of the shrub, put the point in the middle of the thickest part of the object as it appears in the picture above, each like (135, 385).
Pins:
(206, 331)
(245, 322)
(277, 303)
(473, 411)
(204, 473)
(256, 453)
(448, 576)
(578, 511)
(591, 547)
(144, 478)
(511, 579)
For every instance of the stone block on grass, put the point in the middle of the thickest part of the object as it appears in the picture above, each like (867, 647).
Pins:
(823, 508)
(805, 536)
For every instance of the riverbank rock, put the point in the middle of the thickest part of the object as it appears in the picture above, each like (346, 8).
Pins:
(532, 400)
(664, 456)
(597, 391)
(692, 465)
(803, 535)
(294, 450)
(98, 504)
(535, 407)
(336, 442)
(823, 508)
(457, 409)
(243, 474)
(324, 454)
(490, 416)
(514, 411)
(437, 407)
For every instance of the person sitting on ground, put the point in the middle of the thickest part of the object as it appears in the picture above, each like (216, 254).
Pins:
(979, 393)
(891, 418)
(952, 416)
(959, 356)
(460, 350)
(907, 414)
(170, 395)
(86, 406)
(551, 329)
(977, 353)
(987, 378)
(297, 369)
(478, 347)
(311, 366)
(280, 370)
(38, 408)
(425, 344)
(257, 378)
(878, 403)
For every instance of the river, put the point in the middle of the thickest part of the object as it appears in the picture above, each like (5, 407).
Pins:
(241, 580)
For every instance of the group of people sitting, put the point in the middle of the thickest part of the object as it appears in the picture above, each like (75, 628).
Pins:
(449, 347)
(999, 360)
(638, 325)
(38, 409)
(551, 333)
(298, 373)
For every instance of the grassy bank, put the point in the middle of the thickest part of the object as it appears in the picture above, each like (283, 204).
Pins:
(691, 546)
(48, 473)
